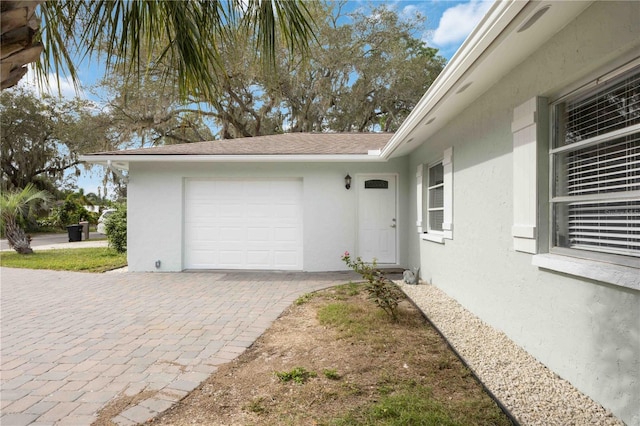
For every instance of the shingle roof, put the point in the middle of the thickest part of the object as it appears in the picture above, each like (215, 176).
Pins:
(284, 144)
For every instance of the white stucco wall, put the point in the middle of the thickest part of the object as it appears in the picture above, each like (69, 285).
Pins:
(155, 208)
(587, 332)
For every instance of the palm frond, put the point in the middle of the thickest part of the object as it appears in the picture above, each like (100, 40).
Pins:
(138, 34)
(21, 202)
(291, 20)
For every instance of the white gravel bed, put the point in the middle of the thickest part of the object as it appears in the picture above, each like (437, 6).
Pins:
(530, 391)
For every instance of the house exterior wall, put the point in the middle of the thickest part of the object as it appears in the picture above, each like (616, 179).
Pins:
(588, 332)
(156, 207)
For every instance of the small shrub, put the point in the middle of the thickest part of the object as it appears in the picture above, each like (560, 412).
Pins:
(303, 299)
(299, 375)
(116, 229)
(256, 406)
(331, 374)
(382, 291)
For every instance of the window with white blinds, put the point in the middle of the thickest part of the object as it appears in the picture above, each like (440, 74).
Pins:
(435, 198)
(596, 169)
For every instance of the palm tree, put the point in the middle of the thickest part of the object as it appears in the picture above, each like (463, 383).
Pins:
(15, 205)
(185, 32)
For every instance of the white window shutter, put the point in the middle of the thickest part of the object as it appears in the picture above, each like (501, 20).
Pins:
(525, 194)
(447, 165)
(419, 206)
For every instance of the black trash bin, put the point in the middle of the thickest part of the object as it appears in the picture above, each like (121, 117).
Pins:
(75, 232)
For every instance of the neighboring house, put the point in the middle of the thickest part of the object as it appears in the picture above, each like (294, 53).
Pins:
(514, 185)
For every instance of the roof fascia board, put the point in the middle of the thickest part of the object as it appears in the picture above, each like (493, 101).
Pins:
(116, 158)
(477, 44)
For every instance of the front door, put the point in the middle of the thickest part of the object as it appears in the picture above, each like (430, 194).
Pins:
(377, 218)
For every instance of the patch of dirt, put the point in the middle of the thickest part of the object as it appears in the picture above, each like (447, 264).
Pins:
(359, 357)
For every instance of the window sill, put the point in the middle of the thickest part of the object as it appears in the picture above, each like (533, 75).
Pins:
(434, 238)
(623, 276)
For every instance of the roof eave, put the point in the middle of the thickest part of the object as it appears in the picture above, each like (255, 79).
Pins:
(509, 33)
(479, 41)
(122, 161)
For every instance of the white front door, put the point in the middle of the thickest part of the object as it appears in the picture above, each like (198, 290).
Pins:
(377, 218)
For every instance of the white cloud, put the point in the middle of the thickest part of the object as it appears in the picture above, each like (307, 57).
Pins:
(409, 11)
(67, 89)
(457, 22)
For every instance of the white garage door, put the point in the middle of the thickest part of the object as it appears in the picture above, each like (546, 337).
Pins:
(243, 224)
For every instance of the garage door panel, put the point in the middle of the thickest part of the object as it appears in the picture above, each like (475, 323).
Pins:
(204, 235)
(257, 190)
(239, 246)
(226, 188)
(243, 224)
(263, 234)
(260, 258)
(229, 210)
(231, 257)
(289, 234)
(198, 189)
(201, 211)
(229, 234)
(203, 257)
(286, 211)
(256, 211)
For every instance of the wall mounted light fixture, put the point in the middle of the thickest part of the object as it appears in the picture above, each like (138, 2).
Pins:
(347, 181)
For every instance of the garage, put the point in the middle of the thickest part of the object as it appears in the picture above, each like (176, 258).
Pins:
(243, 224)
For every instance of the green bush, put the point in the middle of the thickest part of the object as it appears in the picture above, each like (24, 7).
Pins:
(299, 375)
(116, 228)
(69, 212)
(331, 374)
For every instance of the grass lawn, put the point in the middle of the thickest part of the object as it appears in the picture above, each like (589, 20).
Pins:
(97, 259)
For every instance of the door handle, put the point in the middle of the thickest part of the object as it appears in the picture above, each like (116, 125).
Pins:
(393, 226)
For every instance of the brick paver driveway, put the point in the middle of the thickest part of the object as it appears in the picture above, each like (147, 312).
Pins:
(72, 342)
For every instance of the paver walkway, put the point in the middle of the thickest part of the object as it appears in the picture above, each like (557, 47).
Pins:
(72, 342)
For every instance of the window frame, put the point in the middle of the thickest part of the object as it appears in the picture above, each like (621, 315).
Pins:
(431, 188)
(423, 199)
(556, 152)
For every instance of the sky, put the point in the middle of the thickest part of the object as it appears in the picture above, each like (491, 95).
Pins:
(448, 23)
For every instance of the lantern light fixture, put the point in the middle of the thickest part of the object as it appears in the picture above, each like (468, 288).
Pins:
(347, 181)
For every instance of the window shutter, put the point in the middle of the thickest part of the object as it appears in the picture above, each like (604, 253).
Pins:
(419, 205)
(526, 129)
(447, 165)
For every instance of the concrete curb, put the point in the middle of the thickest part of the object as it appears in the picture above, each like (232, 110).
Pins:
(72, 245)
